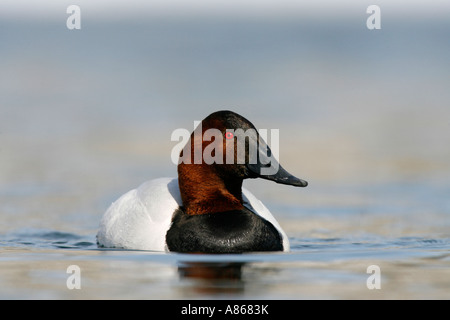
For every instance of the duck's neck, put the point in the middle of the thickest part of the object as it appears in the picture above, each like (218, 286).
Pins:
(203, 191)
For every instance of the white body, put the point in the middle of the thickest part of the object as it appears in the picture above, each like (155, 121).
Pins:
(140, 218)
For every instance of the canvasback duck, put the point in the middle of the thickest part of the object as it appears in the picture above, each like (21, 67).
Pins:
(205, 209)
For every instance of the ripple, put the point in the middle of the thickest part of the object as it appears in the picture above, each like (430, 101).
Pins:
(418, 242)
(369, 243)
(48, 239)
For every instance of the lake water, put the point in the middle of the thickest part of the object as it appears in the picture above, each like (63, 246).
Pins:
(364, 117)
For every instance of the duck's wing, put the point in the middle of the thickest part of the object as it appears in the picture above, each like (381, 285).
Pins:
(255, 205)
(140, 218)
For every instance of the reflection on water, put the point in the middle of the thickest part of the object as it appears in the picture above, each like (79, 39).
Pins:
(213, 278)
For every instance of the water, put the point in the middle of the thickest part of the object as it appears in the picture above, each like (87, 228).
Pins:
(87, 115)
(331, 249)
(34, 266)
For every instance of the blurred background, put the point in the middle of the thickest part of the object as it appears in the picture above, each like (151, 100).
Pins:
(364, 115)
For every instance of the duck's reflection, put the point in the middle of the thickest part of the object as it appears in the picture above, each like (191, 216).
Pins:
(213, 277)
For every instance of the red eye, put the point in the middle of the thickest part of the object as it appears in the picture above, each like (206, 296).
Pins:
(229, 135)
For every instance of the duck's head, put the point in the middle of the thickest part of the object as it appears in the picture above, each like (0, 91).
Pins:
(222, 151)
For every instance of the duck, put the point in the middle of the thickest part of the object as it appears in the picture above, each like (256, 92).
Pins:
(205, 209)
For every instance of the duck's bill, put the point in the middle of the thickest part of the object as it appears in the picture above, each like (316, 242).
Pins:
(284, 177)
(267, 167)
(281, 176)
(263, 163)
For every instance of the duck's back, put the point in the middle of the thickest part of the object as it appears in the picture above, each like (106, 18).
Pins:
(141, 217)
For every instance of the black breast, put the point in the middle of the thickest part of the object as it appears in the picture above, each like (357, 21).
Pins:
(224, 232)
